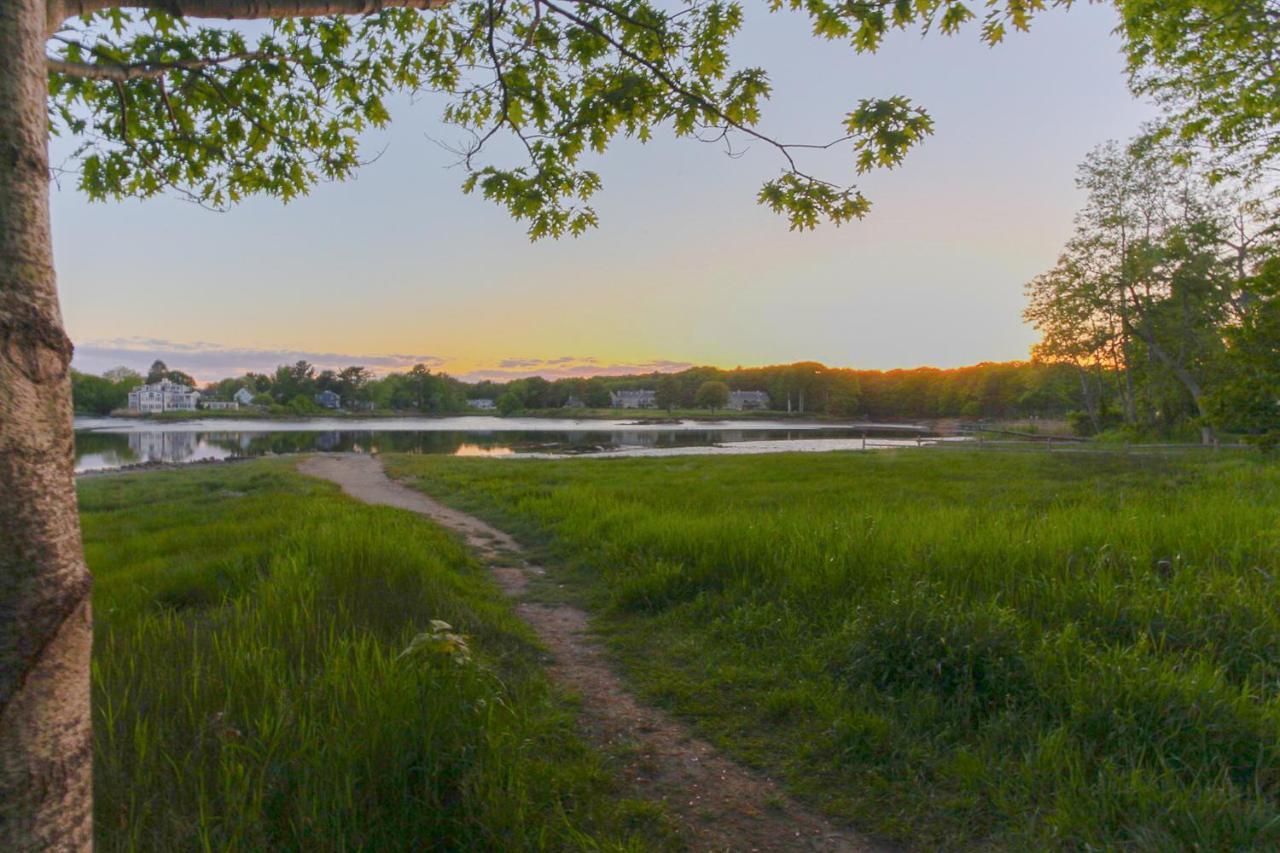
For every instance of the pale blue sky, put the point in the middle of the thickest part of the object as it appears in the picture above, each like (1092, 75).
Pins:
(685, 268)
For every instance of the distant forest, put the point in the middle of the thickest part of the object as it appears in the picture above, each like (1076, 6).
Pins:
(989, 390)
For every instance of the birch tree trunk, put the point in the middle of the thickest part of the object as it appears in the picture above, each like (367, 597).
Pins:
(45, 634)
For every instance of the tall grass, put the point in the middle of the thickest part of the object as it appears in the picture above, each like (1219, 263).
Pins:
(257, 684)
(960, 649)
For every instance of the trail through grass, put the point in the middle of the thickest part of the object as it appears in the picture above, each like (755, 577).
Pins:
(1025, 650)
(268, 676)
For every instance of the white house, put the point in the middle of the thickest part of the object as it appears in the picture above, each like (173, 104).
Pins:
(745, 400)
(244, 397)
(642, 399)
(163, 396)
(482, 403)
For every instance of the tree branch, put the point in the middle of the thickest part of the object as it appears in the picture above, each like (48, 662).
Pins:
(59, 11)
(122, 73)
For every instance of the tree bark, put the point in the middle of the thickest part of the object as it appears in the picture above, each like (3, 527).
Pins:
(45, 633)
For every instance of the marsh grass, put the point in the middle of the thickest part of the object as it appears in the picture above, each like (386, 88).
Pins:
(958, 649)
(257, 685)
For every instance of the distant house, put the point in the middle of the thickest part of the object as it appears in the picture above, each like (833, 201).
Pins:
(328, 400)
(485, 403)
(747, 400)
(642, 399)
(244, 397)
(574, 403)
(219, 404)
(163, 396)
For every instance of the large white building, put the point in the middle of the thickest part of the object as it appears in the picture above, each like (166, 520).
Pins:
(163, 396)
(641, 399)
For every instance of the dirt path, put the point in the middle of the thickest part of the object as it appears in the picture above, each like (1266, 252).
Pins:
(720, 804)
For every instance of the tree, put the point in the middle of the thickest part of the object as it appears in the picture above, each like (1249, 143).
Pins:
(124, 376)
(596, 394)
(159, 370)
(510, 402)
(1151, 284)
(1211, 65)
(352, 382)
(712, 395)
(667, 394)
(180, 378)
(162, 104)
(293, 380)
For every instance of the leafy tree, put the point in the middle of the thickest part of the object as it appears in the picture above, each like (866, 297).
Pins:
(1248, 400)
(124, 376)
(159, 370)
(352, 381)
(510, 402)
(1150, 285)
(96, 395)
(712, 395)
(1211, 65)
(667, 394)
(293, 380)
(180, 378)
(596, 393)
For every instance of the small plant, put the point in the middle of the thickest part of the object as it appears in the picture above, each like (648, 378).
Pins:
(440, 640)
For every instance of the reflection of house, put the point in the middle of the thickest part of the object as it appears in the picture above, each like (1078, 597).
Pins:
(744, 400)
(643, 399)
(482, 403)
(328, 400)
(244, 397)
(163, 446)
(163, 396)
(220, 404)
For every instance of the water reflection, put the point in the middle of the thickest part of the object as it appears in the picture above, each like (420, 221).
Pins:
(477, 450)
(96, 450)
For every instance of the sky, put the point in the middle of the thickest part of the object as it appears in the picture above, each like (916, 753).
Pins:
(398, 267)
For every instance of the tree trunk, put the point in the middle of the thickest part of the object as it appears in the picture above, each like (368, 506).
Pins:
(46, 746)
(1183, 375)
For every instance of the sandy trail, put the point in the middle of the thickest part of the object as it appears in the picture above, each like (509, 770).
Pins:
(719, 804)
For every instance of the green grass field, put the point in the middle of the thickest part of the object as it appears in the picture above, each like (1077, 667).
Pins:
(951, 648)
(257, 684)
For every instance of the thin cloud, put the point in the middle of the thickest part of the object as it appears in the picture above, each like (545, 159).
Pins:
(567, 368)
(208, 361)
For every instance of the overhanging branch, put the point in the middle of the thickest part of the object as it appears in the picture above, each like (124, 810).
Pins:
(122, 73)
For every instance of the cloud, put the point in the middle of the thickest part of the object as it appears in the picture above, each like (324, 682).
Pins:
(208, 361)
(568, 367)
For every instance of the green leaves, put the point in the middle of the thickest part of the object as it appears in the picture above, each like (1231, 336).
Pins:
(1211, 65)
(885, 129)
(162, 104)
(806, 201)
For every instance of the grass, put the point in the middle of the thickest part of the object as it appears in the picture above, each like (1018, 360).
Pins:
(1021, 650)
(267, 676)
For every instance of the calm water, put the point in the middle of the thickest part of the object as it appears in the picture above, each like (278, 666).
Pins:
(103, 443)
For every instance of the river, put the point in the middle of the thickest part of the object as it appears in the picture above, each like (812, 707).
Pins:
(107, 443)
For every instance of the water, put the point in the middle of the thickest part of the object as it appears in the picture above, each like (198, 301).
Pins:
(105, 443)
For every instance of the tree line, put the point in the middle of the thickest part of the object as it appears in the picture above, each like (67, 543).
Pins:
(989, 390)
